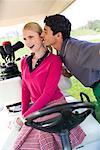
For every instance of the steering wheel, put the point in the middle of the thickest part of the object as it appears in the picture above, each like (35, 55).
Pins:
(68, 118)
(82, 95)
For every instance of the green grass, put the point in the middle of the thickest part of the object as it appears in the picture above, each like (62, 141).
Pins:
(95, 40)
(83, 31)
(77, 87)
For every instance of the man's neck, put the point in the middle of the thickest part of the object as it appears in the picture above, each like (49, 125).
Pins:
(58, 45)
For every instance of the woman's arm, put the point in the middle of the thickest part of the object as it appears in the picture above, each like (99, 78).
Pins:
(25, 97)
(25, 91)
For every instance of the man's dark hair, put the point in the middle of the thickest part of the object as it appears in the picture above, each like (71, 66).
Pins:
(59, 23)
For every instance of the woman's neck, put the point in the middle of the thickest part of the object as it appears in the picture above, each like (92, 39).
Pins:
(40, 53)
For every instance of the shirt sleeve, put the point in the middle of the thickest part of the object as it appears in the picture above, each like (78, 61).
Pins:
(50, 87)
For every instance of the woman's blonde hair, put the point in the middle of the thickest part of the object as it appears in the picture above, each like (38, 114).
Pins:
(33, 26)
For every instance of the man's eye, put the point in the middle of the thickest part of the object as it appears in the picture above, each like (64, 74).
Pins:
(45, 32)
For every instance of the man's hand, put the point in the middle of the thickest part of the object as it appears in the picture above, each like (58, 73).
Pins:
(65, 72)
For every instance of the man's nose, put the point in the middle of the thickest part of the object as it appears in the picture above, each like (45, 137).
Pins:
(42, 35)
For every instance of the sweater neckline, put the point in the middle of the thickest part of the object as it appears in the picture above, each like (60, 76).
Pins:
(29, 61)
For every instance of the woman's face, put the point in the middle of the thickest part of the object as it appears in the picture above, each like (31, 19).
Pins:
(32, 40)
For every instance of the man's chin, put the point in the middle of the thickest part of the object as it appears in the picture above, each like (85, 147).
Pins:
(46, 45)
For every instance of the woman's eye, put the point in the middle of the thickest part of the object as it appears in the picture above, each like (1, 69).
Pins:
(24, 39)
(30, 37)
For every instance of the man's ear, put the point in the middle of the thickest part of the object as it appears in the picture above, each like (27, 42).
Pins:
(59, 35)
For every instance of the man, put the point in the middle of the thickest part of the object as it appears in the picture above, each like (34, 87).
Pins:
(81, 58)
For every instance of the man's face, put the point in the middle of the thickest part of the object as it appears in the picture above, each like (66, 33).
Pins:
(48, 37)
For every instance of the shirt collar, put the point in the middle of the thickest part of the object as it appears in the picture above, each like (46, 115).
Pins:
(29, 61)
(63, 51)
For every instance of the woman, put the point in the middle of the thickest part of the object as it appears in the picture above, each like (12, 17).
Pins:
(41, 72)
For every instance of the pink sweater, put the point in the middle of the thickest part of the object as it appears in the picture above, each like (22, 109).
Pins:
(40, 85)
